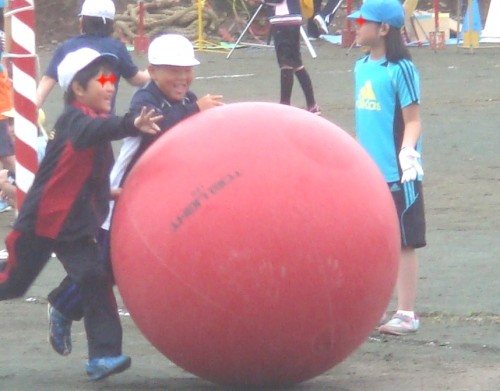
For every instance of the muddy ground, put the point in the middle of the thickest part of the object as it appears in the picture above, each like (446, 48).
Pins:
(458, 346)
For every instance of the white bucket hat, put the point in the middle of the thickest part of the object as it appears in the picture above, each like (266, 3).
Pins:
(99, 8)
(172, 49)
(75, 62)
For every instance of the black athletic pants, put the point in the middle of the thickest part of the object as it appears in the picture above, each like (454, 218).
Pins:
(66, 298)
(29, 253)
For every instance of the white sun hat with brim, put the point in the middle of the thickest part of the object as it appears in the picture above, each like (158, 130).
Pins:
(99, 8)
(172, 49)
(76, 61)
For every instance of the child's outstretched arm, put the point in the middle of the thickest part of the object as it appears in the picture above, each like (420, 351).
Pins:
(412, 131)
(146, 121)
(209, 101)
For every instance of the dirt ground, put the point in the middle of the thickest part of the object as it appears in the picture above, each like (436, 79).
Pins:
(458, 346)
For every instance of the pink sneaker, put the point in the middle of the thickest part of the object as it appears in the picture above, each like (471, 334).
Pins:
(400, 325)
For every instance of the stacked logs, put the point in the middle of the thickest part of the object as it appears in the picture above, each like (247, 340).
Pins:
(166, 16)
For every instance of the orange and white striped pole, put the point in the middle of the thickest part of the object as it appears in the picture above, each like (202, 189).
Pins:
(24, 65)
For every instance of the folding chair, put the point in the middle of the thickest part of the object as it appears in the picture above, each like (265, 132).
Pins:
(410, 33)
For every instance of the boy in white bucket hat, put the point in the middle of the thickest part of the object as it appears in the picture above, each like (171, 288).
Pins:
(68, 201)
(171, 65)
(96, 26)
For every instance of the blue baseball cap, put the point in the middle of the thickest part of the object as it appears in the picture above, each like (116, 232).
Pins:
(383, 11)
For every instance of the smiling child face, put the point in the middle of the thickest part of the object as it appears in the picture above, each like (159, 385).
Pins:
(173, 81)
(98, 94)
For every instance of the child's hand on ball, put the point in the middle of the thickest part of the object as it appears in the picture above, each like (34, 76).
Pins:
(208, 101)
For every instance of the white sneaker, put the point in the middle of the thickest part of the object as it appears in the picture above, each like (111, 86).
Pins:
(4, 206)
(320, 22)
(400, 325)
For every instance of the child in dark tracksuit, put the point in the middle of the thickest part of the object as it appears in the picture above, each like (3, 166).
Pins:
(68, 201)
(172, 60)
(286, 20)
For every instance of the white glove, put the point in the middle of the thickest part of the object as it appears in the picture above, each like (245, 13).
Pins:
(410, 166)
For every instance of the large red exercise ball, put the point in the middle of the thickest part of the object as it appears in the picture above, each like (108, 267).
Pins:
(255, 244)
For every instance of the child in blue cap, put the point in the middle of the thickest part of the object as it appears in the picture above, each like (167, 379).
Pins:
(388, 126)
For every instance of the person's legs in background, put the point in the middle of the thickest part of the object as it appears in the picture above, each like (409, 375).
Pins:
(307, 88)
(287, 46)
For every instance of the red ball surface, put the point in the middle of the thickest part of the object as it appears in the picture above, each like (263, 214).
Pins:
(255, 244)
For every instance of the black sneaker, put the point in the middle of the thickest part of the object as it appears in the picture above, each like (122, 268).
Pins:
(59, 331)
(100, 368)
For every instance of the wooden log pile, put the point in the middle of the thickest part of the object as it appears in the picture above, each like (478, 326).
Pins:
(166, 16)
